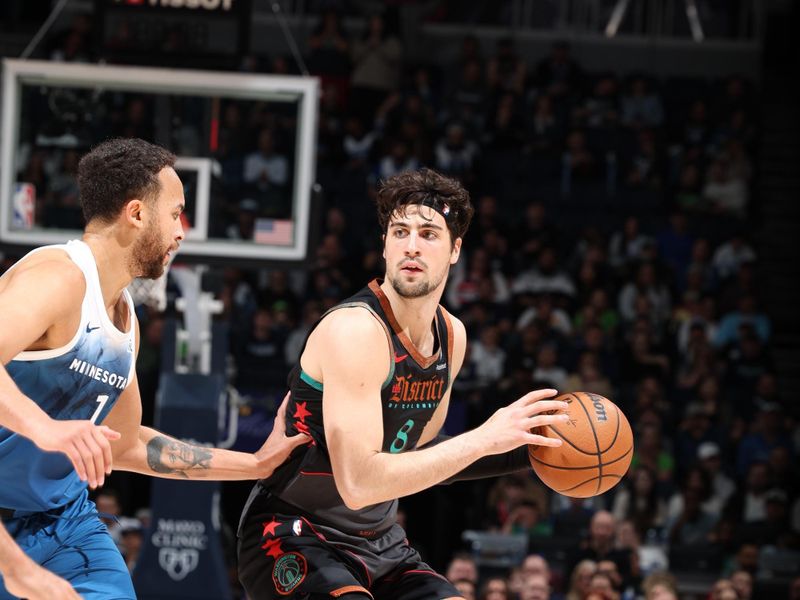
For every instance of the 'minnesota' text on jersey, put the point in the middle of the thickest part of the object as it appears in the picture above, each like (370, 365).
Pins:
(81, 380)
(412, 391)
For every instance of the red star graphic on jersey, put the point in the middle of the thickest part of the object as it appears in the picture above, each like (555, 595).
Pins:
(273, 548)
(269, 528)
(301, 412)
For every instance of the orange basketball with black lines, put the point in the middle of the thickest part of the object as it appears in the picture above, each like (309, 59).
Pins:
(596, 451)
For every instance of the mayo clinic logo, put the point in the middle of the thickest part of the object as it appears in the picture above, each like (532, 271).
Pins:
(179, 545)
(178, 563)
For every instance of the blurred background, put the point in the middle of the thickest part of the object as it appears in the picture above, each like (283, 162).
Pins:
(634, 168)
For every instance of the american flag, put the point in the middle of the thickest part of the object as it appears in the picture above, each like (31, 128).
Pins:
(276, 232)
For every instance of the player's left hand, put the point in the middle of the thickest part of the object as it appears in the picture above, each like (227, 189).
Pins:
(278, 446)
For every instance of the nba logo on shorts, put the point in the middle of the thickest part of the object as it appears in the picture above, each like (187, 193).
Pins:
(24, 206)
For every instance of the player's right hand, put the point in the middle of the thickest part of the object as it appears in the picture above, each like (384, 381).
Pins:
(33, 582)
(510, 427)
(85, 444)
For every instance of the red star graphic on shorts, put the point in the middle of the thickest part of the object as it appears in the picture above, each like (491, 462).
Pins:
(302, 428)
(273, 548)
(301, 412)
(269, 528)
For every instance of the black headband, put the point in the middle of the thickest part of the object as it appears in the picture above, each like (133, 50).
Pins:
(443, 208)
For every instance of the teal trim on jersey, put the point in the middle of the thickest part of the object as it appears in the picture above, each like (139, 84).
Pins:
(318, 386)
(389, 376)
(310, 380)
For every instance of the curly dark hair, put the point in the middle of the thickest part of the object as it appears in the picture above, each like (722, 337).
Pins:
(425, 186)
(119, 170)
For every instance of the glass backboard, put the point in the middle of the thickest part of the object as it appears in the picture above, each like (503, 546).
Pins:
(244, 145)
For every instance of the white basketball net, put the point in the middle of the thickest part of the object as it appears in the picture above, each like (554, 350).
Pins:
(151, 292)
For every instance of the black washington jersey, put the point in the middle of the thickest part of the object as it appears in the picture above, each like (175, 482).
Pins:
(413, 388)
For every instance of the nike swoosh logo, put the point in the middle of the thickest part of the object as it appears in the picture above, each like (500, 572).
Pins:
(90, 329)
(399, 359)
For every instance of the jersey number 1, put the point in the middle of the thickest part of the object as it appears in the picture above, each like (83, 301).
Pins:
(101, 402)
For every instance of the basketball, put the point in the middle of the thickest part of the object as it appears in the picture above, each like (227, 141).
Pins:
(597, 448)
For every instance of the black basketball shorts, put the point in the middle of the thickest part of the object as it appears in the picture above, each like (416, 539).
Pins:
(283, 555)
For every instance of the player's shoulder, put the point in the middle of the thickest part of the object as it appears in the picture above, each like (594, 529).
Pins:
(49, 268)
(354, 322)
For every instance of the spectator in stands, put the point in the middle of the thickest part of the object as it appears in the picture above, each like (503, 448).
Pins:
(767, 433)
(695, 428)
(742, 582)
(588, 377)
(462, 567)
(131, 534)
(709, 459)
(397, 159)
(552, 319)
(329, 51)
(466, 588)
(534, 587)
(467, 102)
(675, 243)
(296, 339)
(259, 355)
(578, 161)
(545, 129)
(506, 70)
(547, 367)
(725, 190)
(692, 526)
(357, 143)
(495, 588)
(510, 491)
(731, 255)
(463, 288)
(660, 586)
(601, 588)
(637, 499)
(644, 166)
(109, 510)
(527, 518)
(266, 170)
(751, 505)
(600, 110)
(488, 356)
(545, 278)
(581, 579)
(558, 74)
(455, 154)
(723, 590)
(600, 546)
(376, 66)
(647, 284)
(534, 233)
(745, 559)
(641, 107)
(730, 327)
(627, 245)
(651, 452)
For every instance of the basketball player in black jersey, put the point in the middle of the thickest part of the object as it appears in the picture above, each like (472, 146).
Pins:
(371, 389)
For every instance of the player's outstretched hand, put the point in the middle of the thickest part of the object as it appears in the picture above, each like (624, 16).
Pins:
(29, 580)
(510, 427)
(85, 444)
(278, 446)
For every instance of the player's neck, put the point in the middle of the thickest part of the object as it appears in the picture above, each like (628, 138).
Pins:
(112, 266)
(414, 315)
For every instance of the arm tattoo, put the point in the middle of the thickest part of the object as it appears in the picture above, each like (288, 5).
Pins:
(168, 455)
